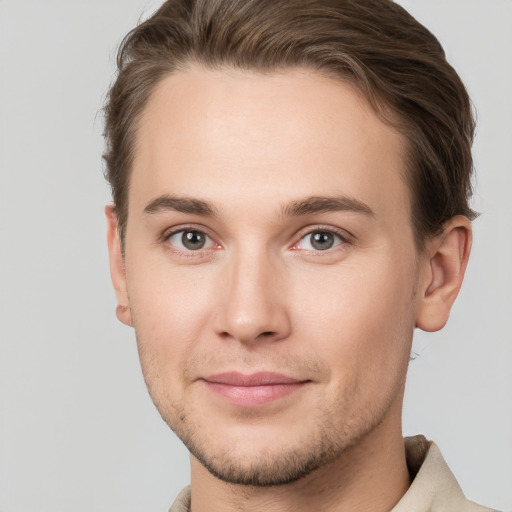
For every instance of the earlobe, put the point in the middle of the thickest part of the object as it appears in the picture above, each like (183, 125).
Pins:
(117, 268)
(124, 315)
(448, 256)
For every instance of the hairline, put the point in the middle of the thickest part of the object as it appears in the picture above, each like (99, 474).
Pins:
(374, 99)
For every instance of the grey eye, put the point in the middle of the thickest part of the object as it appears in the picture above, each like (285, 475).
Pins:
(193, 240)
(190, 240)
(320, 241)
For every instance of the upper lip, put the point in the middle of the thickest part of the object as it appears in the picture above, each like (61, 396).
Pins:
(254, 379)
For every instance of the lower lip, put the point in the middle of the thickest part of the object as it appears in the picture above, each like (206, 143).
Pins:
(253, 396)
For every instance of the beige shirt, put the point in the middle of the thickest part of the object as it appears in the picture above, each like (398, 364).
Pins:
(433, 489)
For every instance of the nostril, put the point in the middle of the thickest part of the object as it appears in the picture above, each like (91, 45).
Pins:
(266, 334)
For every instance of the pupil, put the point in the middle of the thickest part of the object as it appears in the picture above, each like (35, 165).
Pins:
(193, 240)
(322, 241)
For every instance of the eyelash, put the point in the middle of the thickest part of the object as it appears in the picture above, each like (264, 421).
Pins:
(166, 236)
(343, 237)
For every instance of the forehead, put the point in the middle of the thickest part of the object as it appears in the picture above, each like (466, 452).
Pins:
(221, 134)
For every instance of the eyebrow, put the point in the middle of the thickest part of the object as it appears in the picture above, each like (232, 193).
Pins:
(180, 204)
(311, 205)
(307, 206)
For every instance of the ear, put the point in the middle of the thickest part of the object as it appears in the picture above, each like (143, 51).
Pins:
(117, 269)
(446, 261)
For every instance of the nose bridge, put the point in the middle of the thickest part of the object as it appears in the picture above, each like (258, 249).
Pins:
(253, 305)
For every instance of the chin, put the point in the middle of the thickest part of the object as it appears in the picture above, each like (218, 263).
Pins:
(264, 456)
(262, 469)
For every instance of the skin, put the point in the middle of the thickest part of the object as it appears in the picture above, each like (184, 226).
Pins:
(231, 154)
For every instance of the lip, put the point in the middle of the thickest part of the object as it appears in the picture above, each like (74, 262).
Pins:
(253, 390)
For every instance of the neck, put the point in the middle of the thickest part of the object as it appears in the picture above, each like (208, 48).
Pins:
(371, 476)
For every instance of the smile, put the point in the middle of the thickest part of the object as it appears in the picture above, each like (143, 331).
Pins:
(253, 390)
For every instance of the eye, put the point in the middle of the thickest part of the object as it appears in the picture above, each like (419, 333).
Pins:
(320, 240)
(190, 240)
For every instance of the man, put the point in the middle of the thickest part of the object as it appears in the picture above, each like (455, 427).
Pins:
(291, 183)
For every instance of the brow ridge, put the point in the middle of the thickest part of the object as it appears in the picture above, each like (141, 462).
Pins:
(306, 206)
(320, 204)
(168, 202)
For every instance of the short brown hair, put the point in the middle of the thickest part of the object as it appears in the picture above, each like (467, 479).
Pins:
(375, 45)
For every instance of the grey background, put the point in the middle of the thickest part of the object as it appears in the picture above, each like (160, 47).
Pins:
(77, 429)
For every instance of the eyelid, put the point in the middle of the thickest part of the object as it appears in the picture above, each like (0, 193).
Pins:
(168, 233)
(344, 235)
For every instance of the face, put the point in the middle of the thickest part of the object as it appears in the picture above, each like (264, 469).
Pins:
(270, 269)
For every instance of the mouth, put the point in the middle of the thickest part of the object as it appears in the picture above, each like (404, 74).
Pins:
(253, 390)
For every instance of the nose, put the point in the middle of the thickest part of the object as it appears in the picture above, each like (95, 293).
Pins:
(252, 305)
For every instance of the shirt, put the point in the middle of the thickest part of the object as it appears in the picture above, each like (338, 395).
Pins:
(433, 488)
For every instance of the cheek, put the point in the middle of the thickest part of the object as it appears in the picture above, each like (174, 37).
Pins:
(171, 309)
(361, 318)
